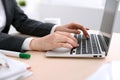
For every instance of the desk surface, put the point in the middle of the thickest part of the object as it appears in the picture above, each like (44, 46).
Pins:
(69, 68)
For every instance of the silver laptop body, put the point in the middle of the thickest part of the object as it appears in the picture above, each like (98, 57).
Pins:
(98, 43)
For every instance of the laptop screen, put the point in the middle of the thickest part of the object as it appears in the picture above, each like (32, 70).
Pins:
(110, 11)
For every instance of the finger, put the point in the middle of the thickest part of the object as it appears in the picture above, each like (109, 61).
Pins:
(65, 45)
(67, 35)
(68, 40)
(84, 30)
(85, 33)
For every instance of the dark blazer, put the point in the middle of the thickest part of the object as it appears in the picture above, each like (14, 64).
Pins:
(16, 17)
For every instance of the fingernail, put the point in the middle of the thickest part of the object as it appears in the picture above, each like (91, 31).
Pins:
(70, 46)
(87, 36)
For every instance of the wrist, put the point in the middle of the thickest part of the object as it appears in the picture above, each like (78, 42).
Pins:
(32, 44)
(58, 28)
(36, 44)
(54, 28)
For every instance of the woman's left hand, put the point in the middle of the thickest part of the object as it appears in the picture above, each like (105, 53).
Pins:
(73, 28)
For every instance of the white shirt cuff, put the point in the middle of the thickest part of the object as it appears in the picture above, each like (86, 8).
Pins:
(53, 29)
(26, 44)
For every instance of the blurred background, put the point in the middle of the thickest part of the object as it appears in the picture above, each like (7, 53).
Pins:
(86, 12)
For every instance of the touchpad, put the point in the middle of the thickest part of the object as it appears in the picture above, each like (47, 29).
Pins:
(61, 49)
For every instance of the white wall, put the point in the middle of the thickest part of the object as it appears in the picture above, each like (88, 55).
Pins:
(90, 17)
(87, 16)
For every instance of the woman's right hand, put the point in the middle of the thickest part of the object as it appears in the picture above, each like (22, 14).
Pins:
(55, 40)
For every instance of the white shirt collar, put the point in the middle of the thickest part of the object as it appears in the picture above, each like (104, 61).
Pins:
(2, 16)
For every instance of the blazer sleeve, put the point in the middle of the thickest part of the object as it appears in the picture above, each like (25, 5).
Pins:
(28, 26)
(10, 42)
(23, 25)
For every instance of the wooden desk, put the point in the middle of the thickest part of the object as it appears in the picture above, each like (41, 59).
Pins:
(69, 68)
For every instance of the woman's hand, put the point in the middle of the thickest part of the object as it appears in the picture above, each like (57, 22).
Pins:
(73, 28)
(54, 40)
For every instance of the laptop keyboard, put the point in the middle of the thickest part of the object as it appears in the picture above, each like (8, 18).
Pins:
(88, 46)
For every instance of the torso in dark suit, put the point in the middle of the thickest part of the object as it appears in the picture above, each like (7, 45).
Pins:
(16, 17)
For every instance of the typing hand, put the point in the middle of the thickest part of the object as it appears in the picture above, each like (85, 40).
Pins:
(55, 40)
(73, 28)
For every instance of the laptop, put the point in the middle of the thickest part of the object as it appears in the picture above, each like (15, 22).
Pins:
(98, 43)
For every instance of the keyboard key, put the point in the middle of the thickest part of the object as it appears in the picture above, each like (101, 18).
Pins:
(94, 45)
(101, 43)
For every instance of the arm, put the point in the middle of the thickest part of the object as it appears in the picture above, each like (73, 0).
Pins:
(9, 42)
(31, 27)
(28, 26)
